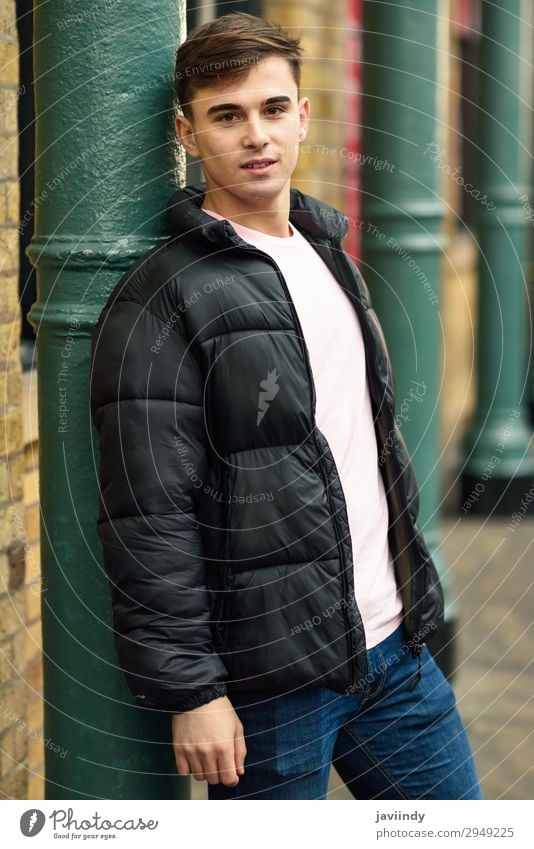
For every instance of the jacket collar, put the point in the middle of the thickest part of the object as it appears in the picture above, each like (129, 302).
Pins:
(184, 216)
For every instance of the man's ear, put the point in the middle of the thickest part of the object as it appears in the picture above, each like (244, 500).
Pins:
(304, 114)
(185, 134)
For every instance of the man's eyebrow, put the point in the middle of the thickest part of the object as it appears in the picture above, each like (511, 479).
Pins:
(225, 107)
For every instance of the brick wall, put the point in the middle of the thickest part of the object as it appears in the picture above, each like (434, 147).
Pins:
(33, 642)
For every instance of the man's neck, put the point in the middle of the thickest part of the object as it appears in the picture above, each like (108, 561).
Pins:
(271, 222)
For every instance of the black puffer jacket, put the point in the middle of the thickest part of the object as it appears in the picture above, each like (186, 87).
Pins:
(222, 518)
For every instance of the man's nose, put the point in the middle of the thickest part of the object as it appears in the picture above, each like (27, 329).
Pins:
(255, 134)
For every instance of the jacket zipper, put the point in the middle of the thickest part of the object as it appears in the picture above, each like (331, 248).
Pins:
(415, 648)
(347, 583)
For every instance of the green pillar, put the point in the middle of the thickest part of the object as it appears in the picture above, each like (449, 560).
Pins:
(498, 467)
(402, 216)
(103, 87)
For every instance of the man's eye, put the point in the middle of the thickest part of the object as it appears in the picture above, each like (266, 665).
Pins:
(233, 114)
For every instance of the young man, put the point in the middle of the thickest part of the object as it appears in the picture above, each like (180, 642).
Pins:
(270, 585)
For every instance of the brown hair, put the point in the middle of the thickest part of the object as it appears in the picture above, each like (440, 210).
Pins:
(227, 47)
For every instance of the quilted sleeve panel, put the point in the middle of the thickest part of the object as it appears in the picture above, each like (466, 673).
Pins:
(147, 406)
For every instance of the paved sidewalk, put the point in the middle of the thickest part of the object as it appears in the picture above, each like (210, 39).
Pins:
(492, 571)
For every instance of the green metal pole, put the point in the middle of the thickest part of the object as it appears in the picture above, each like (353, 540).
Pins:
(402, 216)
(498, 471)
(103, 87)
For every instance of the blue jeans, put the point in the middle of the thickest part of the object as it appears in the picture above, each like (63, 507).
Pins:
(386, 741)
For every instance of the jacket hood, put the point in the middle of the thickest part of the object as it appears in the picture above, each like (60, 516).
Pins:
(185, 216)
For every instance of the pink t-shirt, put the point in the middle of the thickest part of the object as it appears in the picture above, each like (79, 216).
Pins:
(344, 415)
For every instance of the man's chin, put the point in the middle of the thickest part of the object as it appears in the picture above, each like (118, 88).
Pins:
(262, 188)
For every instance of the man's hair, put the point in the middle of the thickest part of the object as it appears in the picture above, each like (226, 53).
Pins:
(227, 48)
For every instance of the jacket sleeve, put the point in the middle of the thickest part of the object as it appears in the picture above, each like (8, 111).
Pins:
(147, 406)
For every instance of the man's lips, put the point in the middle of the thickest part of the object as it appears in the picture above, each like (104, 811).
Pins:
(258, 167)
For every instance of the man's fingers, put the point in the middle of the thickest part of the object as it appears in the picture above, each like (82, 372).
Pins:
(210, 767)
(182, 765)
(240, 753)
(197, 770)
(226, 765)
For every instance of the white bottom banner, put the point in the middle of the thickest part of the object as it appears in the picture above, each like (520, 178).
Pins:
(176, 824)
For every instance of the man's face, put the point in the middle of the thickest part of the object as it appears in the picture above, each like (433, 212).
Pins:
(259, 118)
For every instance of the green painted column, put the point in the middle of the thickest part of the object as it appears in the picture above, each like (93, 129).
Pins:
(402, 216)
(498, 468)
(103, 88)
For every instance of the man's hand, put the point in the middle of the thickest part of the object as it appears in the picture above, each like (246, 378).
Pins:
(209, 742)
